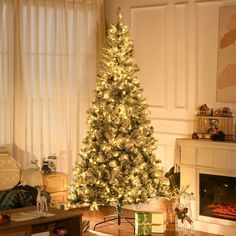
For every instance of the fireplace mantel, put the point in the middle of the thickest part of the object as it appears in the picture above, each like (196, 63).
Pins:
(193, 157)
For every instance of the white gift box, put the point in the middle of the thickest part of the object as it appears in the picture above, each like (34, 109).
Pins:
(159, 228)
(158, 222)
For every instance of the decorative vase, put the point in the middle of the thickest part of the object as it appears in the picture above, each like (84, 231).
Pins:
(179, 224)
(183, 221)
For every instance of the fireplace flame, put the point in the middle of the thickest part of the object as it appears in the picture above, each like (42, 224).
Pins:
(221, 210)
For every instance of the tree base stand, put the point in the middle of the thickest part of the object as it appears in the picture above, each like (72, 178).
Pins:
(117, 216)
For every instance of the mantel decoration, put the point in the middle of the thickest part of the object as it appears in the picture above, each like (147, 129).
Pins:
(117, 163)
(214, 124)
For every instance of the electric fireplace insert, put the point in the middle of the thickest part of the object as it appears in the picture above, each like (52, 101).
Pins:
(218, 196)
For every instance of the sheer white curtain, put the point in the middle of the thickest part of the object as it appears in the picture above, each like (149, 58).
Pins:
(6, 72)
(53, 71)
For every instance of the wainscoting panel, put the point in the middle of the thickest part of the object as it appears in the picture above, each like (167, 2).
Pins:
(207, 14)
(166, 149)
(148, 32)
(173, 126)
(176, 50)
(160, 34)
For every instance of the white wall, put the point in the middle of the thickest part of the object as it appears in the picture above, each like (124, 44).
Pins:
(176, 49)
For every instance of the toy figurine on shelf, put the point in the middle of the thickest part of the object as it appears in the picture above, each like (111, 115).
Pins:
(195, 135)
(224, 111)
(49, 164)
(204, 110)
(52, 161)
(45, 167)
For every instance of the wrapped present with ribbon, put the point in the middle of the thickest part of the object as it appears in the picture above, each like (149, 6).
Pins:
(158, 222)
(143, 223)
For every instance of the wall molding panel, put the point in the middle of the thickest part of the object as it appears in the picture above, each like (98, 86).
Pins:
(148, 28)
(180, 64)
(182, 127)
(176, 43)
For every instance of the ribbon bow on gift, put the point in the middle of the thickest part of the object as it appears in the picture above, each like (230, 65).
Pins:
(145, 224)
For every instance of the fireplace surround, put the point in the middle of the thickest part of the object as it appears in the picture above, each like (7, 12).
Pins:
(209, 168)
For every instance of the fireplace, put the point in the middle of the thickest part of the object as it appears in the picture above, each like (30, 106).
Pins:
(209, 168)
(217, 196)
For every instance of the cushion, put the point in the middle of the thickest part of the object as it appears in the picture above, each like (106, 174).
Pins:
(32, 177)
(20, 196)
(9, 172)
(14, 198)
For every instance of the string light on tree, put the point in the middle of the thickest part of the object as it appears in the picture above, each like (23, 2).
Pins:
(117, 163)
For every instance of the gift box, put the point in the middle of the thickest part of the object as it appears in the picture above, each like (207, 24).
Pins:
(158, 222)
(143, 223)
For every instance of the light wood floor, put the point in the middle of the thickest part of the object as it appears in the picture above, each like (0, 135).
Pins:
(125, 229)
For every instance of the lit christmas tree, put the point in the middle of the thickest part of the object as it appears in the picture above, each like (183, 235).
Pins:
(118, 165)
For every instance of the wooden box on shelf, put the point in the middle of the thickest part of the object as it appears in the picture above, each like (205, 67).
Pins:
(56, 184)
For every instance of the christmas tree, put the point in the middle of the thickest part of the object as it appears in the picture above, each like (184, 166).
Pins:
(118, 165)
